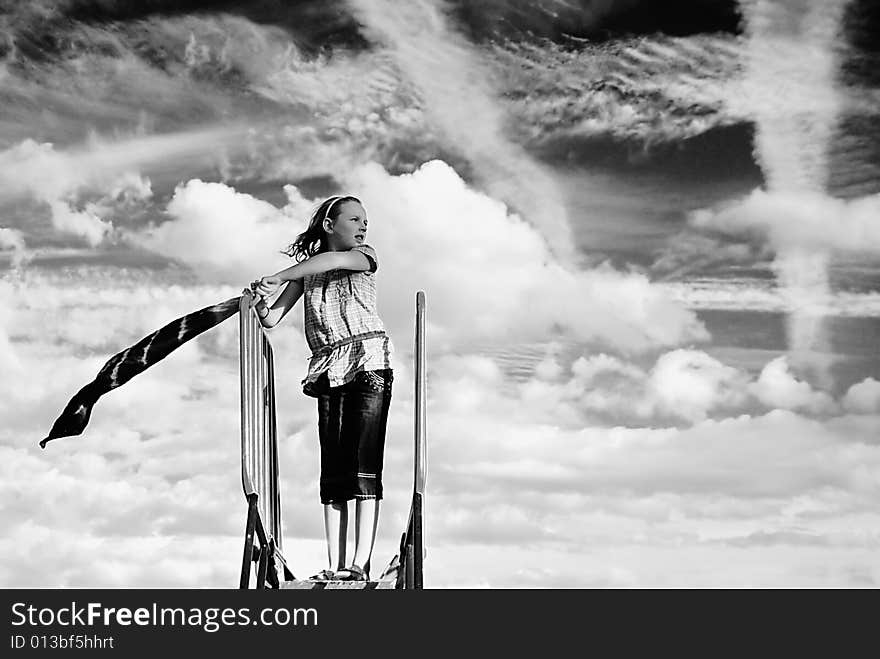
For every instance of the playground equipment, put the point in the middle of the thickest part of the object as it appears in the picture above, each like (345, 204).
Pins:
(263, 545)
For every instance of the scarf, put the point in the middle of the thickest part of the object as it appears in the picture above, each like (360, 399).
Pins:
(123, 366)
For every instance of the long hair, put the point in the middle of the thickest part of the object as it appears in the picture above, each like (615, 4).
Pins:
(314, 240)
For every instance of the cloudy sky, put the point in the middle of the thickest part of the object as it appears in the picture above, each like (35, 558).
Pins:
(649, 239)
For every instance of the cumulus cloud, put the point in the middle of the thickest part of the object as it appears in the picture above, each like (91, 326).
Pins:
(653, 505)
(488, 273)
(778, 454)
(434, 232)
(682, 388)
(79, 223)
(168, 436)
(223, 234)
(800, 219)
(863, 397)
(778, 387)
(631, 494)
(689, 383)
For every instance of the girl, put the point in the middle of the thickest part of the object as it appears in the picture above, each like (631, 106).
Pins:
(349, 371)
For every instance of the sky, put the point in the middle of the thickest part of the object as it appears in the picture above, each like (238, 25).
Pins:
(648, 239)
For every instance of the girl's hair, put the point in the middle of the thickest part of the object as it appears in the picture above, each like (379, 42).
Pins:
(314, 239)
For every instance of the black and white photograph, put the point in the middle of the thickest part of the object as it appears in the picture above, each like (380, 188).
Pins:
(439, 294)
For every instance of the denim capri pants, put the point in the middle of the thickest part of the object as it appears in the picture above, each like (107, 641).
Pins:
(351, 428)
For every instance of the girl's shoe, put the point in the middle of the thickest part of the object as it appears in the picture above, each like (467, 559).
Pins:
(324, 575)
(355, 573)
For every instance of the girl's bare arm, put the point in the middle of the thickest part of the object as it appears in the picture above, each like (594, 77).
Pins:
(291, 293)
(342, 260)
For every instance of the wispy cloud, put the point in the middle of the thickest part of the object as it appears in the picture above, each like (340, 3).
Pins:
(808, 220)
(81, 187)
(459, 95)
(791, 54)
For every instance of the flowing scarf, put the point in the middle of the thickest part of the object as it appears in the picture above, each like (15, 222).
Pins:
(123, 366)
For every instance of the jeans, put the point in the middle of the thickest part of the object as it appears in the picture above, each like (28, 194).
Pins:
(351, 428)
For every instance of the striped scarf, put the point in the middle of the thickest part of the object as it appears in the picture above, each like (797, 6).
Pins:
(123, 366)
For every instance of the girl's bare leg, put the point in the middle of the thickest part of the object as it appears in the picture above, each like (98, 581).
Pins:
(366, 522)
(336, 530)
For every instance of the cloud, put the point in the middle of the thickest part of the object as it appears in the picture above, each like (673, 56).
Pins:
(624, 468)
(732, 457)
(801, 219)
(459, 95)
(159, 494)
(649, 89)
(689, 383)
(681, 389)
(486, 272)
(863, 397)
(157, 468)
(79, 223)
(83, 187)
(223, 234)
(434, 232)
(795, 42)
(770, 538)
(29, 167)
(778, 387)
(159, 561)
(648, 501)
(13, 240)
(763, 295)
(9, 361)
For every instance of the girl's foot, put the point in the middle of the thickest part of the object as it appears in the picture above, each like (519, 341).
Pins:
(324, 575)
(352, 573)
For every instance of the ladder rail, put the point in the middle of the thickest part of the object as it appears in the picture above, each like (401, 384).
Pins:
(412, 546)
(421, 445)
(259, 447)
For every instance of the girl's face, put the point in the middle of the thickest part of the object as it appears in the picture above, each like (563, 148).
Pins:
(349, 229)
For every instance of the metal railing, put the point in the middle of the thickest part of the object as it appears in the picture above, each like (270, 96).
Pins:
(259, 451)
(412, 547)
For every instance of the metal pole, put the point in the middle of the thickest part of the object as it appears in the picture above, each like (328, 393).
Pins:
(258, 422)
(420, 458)
(273, 433)
(246, 471)
(264, 434)
(252, 409)
(242, 319)
(260, 425)
(259, 451)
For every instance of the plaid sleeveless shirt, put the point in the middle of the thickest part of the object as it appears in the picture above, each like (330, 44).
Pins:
(342, 328)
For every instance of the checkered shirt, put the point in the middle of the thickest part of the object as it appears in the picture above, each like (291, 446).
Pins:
(342, 327)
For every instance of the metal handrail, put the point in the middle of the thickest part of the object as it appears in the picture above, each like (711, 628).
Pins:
(421, 445)
(412, 544)
(259, 444)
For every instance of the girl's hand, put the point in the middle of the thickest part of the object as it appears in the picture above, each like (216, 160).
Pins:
(252, 289)
(268, 285)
